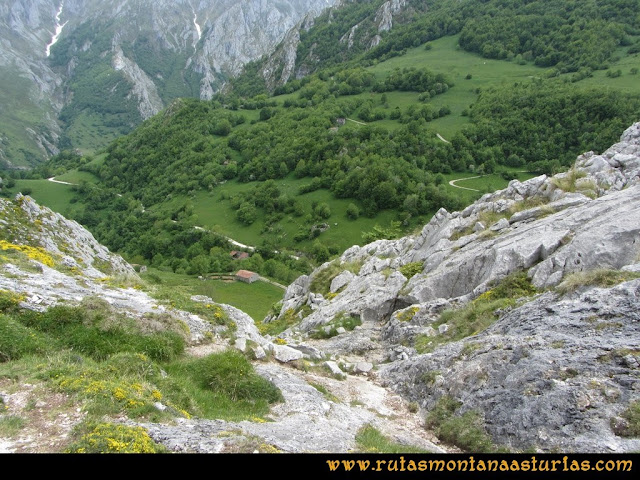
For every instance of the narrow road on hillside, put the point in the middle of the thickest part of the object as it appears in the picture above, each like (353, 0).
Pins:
(355, 121)
(442, 138)
(53, 179)
(453, 183)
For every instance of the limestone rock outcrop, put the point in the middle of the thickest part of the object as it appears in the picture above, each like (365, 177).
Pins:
(554, 371)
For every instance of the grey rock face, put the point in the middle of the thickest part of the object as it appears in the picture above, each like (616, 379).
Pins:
(548, 375)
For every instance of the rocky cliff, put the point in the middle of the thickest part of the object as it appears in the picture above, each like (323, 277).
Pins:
(287, 61)
(556, 365)
(142, 53)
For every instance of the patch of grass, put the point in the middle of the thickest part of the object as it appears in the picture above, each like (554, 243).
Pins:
(101, 336)
(348, 322)
(369, 439)
(327, 394)
(223, 218)
(255, 299)
(430, 377)
(10, 425)
(225, 385)
(569, 182)
(279, 325)
(112, 438)
(632, 416)
(466, 431)
(58, 197)
(487, 218)
(321, 282)
(477, 315)
(16, 340)
(599, 278)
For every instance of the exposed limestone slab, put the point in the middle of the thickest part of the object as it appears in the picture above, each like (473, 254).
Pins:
(285, 354)
(341, 280)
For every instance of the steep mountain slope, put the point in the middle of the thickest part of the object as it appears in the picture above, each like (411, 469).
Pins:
(511, 324)
(506, 312)
(113, 63)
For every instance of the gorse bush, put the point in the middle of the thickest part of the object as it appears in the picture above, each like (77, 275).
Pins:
(111, 438)
(411, 269)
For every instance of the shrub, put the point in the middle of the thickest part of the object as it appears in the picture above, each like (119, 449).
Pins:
(411, 269)
(231, 374)
(110, 438)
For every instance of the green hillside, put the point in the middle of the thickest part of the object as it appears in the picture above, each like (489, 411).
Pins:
(365, 147)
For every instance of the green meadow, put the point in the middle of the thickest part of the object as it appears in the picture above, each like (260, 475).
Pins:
(255, 299)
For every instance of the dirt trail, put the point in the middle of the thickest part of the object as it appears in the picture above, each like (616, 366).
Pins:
(453, 183)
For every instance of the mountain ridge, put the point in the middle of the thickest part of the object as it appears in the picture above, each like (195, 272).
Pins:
(183, 49)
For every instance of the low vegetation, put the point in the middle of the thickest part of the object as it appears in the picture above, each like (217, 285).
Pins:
(112, 438)
(341, 320)
(321, 282)
(111, 367)
(598, 278)
(479, 314)
(370, 440)
(632, 417)
(465, 431)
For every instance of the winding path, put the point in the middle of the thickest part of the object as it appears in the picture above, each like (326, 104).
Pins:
(53, 179)
(442, 138)
(453, 183)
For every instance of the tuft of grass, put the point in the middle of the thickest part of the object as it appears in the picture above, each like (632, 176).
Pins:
(323, 390)
(10, 425)
(348, 322)
(632, 416)
(567, 182)
(321, 283)
(600, 277)
(466, 431)
(369, 439)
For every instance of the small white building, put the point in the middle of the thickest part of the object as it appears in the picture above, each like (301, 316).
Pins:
(246, 276)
